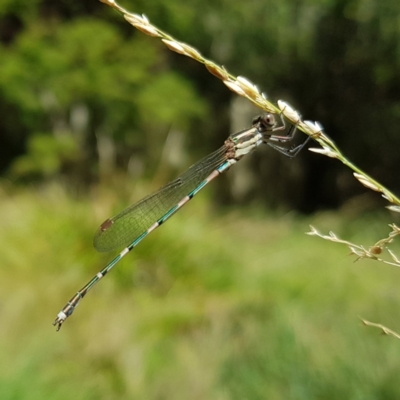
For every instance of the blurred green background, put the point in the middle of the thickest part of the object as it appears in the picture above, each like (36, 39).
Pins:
(230, 300)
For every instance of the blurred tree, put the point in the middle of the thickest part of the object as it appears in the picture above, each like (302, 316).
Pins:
(83, 80)
(79, 69)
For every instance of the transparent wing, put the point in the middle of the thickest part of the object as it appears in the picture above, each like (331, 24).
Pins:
(120, 231)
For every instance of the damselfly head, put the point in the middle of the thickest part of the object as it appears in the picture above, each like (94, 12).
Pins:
(264, 122)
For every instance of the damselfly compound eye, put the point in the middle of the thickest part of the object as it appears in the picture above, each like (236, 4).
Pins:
(268, 120)
(264, 122)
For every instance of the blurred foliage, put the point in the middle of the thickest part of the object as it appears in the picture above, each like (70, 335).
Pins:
(78, 68)
(45, 156)
(231, 307)
(51, 70)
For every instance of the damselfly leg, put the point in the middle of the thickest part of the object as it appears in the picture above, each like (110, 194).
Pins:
(267, 124)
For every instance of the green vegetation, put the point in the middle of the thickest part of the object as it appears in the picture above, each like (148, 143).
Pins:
(220, 303)
(83, 94)
(231, 307)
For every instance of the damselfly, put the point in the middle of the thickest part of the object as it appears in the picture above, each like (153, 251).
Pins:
(133, 224)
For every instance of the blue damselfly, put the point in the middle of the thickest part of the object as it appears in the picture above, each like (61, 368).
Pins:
(133, 224)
